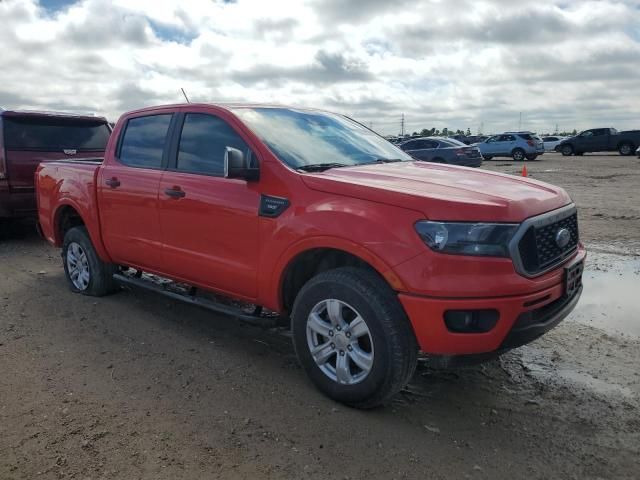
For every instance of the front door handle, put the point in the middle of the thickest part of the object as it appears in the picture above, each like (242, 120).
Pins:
(175, 192)
(113, 182)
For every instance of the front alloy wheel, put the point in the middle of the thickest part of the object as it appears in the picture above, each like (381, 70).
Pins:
(340, 342)
(352, 336)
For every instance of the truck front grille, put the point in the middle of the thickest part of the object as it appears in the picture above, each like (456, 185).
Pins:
(537, 248)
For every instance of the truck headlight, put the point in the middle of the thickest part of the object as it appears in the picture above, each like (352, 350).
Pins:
(482, 239)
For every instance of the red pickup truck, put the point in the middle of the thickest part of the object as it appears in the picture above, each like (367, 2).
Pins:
(371, 255)
(28, 138)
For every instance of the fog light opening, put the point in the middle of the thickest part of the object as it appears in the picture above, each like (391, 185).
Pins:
(470, 321)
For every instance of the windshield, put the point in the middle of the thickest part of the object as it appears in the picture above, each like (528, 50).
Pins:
(301, 137)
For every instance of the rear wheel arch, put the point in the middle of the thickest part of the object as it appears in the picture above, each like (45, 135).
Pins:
(65, 218)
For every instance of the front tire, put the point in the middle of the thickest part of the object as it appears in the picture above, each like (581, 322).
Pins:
(85, 272)
(353, 338)
(566, 150)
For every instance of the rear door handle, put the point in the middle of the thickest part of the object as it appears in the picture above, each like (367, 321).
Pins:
(113, 182)
(175, 192)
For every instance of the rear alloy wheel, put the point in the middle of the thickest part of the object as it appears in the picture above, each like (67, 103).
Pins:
(86, 273)
(566, 150)
(352, 337)
(518, 155)
(626, 149)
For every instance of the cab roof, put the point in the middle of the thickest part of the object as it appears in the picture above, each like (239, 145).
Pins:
(53, 114)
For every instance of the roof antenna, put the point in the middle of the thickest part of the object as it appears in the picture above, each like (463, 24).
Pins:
(185, 95)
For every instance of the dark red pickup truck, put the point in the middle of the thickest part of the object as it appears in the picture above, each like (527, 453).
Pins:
(372, 256)
(28, 138)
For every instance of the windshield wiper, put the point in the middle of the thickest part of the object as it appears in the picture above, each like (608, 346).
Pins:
(383, 160)
(319, 167)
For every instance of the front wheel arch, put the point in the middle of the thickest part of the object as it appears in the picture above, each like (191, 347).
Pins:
(309, 263)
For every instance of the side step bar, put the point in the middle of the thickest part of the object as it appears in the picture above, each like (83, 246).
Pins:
(137, 281)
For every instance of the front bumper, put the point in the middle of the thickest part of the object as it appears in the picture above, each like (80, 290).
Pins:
(522, 318)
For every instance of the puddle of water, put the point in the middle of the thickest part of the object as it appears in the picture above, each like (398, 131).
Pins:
(611, 296)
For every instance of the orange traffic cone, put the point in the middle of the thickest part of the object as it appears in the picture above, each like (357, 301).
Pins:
(524, 170)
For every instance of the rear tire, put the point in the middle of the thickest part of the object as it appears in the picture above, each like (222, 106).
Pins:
(487, 157)
(566, 150)
(532, 157)
(438, 160)
(626, 149)
(364, 374)
(85, 272)
(518, 155)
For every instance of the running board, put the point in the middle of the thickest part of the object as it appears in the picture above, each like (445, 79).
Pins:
(217, 307)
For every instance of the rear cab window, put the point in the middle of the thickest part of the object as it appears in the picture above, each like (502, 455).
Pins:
(143, 141)
(51, 134)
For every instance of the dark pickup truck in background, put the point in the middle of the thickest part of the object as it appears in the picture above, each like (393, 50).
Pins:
(601, 140)
(28, 138)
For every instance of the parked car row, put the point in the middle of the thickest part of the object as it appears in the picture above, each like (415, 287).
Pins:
(313, 217)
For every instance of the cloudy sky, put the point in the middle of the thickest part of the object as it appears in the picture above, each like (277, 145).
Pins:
(454, 63)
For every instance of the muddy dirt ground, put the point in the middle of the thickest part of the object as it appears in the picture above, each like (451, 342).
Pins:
(138, 386)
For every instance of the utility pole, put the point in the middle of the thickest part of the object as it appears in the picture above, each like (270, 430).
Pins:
(402, 126)
(520, 123)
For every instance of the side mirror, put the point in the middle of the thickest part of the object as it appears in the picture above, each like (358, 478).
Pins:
(236, 165)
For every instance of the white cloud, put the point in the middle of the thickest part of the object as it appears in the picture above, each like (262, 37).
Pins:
(455, 63)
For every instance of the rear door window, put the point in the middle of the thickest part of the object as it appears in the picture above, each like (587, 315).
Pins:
(203, 144)
(144, 141)
(34, 133)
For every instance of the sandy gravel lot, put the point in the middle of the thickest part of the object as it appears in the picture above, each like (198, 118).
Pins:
(137, 386)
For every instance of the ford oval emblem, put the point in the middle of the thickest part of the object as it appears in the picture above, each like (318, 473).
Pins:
(70, 151)
(563, 237)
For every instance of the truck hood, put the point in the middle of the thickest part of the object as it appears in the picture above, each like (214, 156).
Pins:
(443, 192)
